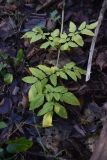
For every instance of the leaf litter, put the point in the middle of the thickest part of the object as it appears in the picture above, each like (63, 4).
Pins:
(67, 138)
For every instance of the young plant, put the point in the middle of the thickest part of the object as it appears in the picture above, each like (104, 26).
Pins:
(64, 41)
(4, 74)
(5, 61)
(18, 145)
(47, 93)
(54, 16)
(17, 61)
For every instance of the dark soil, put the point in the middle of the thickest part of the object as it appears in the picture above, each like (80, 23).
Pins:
(71, 139)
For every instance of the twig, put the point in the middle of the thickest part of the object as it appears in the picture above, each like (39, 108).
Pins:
(18, 127)
(40, 138)
(100, 19)
(62, 26)
(46, 5)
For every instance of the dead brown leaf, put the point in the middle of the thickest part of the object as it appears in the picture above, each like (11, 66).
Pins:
(101, 60)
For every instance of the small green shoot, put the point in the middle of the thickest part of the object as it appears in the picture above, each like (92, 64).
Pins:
(4, 74)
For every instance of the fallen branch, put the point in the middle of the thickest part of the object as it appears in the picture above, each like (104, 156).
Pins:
(100, 19)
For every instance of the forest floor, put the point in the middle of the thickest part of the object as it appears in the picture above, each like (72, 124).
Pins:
(71, 139)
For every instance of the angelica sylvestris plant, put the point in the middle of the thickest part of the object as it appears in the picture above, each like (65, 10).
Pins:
(46, 93)
(64, 41)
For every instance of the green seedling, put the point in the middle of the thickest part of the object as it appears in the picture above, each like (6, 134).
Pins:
(4, 74)
(46, 93)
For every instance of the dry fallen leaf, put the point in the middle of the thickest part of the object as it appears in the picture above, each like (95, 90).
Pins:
(101, 60)
(7, 27)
